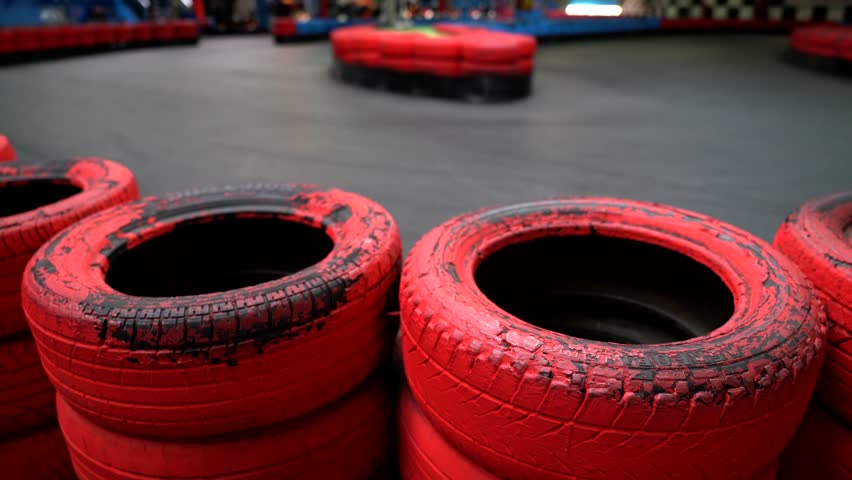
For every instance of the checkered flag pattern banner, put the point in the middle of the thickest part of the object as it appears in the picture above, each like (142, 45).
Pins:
(772, 10)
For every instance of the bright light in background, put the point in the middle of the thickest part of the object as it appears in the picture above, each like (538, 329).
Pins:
(592, 10)
(186, 3)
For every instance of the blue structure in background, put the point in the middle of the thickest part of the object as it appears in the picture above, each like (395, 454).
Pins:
(41, 12)
(533, 23)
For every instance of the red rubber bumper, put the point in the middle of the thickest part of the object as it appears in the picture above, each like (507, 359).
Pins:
(459, 51)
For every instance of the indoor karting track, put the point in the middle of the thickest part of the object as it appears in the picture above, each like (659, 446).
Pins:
(719, 124)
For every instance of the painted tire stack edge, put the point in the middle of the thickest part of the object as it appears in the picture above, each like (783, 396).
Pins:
(33, 41)
(533, 403)
(831, 42)
(251, 361)
(501, 62)
(818, 238)
(30, 445)
(7, 152)
(345, 439)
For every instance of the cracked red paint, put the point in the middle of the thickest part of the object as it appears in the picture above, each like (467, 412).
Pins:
(817, 238)
(203, 364)
(533, 403)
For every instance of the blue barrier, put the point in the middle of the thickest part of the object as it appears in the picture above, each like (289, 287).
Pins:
(529, 24)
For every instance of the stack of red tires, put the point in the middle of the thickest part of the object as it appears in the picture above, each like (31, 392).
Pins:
(818, 238)
(36, 202)
(832, 42)
(655, 343)
(184, 342)
(29, 42)
(7, 151)
(467, 60)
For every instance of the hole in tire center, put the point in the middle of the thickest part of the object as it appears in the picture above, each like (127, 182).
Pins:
(224, 254)
(22, 196)
(606, 289)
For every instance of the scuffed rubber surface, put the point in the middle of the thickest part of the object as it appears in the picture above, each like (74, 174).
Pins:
(818, 238)
(532, 403)
(104, 183)
(822, 448)
(205, 364)
(425, 455)
(7, 152)
(460, 61)
(26, 395)
(39, 455)
(349, 439)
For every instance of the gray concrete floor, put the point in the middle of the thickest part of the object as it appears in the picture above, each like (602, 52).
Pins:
(717, 124)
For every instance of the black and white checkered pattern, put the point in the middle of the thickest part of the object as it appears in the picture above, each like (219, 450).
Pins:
(772, 10)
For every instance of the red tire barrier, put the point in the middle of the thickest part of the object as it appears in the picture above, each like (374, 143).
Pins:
(26, 395)
(40, 455)
(186, 30)
(163, 32)
(826, 41)
(26, 39)
(7, 152)
(283, 28)
(531, 402)
(39, 200)
(817, 238)
(410, 52)
(423, 452)
(822, 448)
(189, 352)
(31, 40)
(143, 32)
(347, 439)
(7, 41)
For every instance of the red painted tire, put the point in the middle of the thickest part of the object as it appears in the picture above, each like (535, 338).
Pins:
(511, 69)
(123, 33)
(441, 48)
(163, 32)
(423, 452)
(396, 45)
(818, 238)
(491, 48)
(533, 403)
(822, 448)
(143, 32)
(39, 455)
(26, 395)
(7, 41)
(347, 439)
(7, 153)
(440, 68)
(26, 221)
(194, 352)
